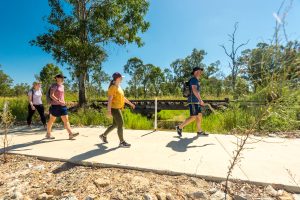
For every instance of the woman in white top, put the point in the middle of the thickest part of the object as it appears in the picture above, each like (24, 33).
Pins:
(35, 103)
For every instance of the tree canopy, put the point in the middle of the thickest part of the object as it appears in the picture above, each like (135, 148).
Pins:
(81, 28)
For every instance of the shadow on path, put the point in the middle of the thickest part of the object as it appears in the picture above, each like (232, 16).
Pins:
(183, 144)
(28, 131)
(92, 153)
(17, 147)
(84, 156)
(149, 133)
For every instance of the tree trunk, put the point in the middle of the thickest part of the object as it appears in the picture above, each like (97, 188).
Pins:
(100, 90)
(234, 77)
(135, 89)
(82, 89)
(145, 93)
(156, 90)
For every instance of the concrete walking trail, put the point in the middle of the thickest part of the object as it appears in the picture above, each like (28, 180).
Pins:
(271, 161)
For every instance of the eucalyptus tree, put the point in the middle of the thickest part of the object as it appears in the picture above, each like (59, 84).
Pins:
(47, 74)
(80, 29)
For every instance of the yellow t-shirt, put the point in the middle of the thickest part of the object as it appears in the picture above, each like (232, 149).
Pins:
(118, 100)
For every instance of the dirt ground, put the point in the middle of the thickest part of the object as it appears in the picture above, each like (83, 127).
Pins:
(30, 178)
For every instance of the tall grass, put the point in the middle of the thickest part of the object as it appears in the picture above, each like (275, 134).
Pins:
(137, 121)
(17, 106)
(219, 122)
(236, 117)
(86, 117)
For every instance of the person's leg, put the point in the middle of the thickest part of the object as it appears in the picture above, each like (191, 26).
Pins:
(41, 110)
(50, 124)
(66, 122)
(200, 132)
(119, 122)
(103, 136)
(187, 122)
(110, 128)
(199, 121)
(30, 114)
(65, 119)
(193, 116)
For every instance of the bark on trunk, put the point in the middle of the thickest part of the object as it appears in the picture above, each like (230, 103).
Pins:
(82, 90)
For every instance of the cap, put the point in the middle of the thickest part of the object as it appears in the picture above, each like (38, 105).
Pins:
(116, 75)
(196, 69)
(60, 76)
(37, 82)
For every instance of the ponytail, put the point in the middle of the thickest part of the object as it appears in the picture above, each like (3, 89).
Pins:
(112, 82)
(115, 76)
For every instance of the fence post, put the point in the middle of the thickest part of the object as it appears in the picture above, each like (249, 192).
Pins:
(155, 115)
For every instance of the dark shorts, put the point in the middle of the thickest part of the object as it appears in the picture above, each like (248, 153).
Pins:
(58, 111)
(195, 109)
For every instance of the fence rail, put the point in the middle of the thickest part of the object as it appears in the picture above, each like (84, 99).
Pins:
(147, 107)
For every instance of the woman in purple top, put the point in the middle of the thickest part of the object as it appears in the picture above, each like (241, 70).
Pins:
(35, 103)
(58, 107)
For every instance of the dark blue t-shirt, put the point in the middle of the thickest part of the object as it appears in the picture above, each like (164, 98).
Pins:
(193, 98)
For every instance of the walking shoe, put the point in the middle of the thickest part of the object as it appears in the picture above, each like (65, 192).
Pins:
(179, 131)
(124, 144)
(202, 133)
(103, 138)
(49, 137)
(72, 136)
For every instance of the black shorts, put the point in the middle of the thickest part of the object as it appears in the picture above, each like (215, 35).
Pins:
(195, 109)
(58, 111)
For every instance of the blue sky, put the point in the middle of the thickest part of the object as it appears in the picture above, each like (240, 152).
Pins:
(176, 28)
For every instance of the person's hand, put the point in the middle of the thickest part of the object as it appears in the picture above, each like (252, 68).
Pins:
(132, 106)
(63, 103)
(201, 103)
(32, 108)
(109, 115)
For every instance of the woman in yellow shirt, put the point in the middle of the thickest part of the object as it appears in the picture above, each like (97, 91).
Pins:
(116, 103)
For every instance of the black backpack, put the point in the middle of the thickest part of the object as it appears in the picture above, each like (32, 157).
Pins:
(186, 89)
(48, 98)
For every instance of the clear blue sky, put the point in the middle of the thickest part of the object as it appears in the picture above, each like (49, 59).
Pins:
(177, 27)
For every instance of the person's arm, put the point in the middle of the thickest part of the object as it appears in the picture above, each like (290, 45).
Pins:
(197, 94)
(53, 97)
(30, 100)
(129, 103)
(110, 98)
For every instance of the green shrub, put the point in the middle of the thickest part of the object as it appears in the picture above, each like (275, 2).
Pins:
(137, 121)
(86, 117)
(172, 114)
(18, 107)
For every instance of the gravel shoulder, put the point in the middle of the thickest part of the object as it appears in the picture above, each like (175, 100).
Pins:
(25, 177)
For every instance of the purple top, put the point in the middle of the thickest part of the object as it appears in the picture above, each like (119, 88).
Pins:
(59, 93)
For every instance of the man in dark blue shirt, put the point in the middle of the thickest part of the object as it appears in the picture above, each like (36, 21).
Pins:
(195, 102)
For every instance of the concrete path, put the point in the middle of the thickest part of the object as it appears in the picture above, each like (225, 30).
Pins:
(271, 161)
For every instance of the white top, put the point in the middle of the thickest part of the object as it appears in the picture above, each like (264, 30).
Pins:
(36, 97)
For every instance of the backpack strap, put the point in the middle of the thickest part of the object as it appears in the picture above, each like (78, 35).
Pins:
(191, 90)
(32, 93)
